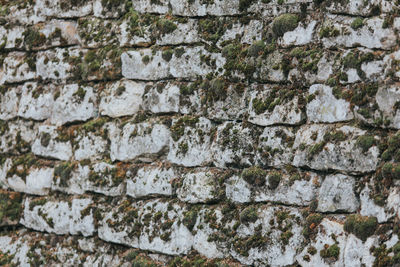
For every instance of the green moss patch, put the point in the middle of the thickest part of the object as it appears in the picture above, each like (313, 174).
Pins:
(284, 23)
(361, 226)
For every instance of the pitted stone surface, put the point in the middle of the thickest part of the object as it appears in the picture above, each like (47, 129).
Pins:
(199, 133)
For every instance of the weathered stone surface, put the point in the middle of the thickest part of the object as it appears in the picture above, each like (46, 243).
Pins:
(350, 37)
(302, 35)
(145, 65)
(50, 144)
(269, 106)
(34, 180)
(17, 136)
(17, 67)
(274, 146)
(61, 217)
(63, 9)
(234, 145)
(188, 133)
(200, 186)
(138, 140)
(325, 107)
(161, 98)
(344, 149)
(190, 141)
(151, 180)
(337, 194)
(74, 103)
(121, 99)
(9, 101)
(296, 188)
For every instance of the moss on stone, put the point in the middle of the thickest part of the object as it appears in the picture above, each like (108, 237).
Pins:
(190, 218)
(361, 226)
(178, 128)
(284, 23)
(167, 54)
(248, 215)
(312, 221)
(10, 206)
(328, 31)
(357, 23)
(365, 142)
(63, 173)
(33, 38)
(331, 252)
(166, 26)
(274, 178)
(254, 175)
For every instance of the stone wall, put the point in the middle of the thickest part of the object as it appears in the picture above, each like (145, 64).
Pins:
(199, 132)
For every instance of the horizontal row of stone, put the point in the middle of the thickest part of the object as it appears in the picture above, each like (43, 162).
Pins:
(196, 141)
(26, 248)
(26, 13)
(256, 234)
(236, 62)
(198, 185)
(329, 193)
(260, 104)
(134, 30)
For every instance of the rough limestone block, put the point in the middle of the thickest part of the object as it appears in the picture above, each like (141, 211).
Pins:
(185, 33)
(347, 148)
(74, 103)
(9, 101)
(36, 101)
(230, 105)
(383, 212)
(249, 33)
(17, 136)
(337, 194)
(109, 9)
(22, 177)
(146, 139)
(202, 239)
(302, 35)
(387, 99)
(161, 98)
(172, 239)
(360, 7)
(54, 64)
(11, 37)
(234, 145)
(370, 35)
(275, 146)
(99, 177)
(17, 67)
(268, 107)
(121, 98)
(150, 180)
(266, 223)
(63, 8)
(96, 32)
(144, 65)
(352, 251)
(49, 144)
(298, 189)
(90, 141)
(148, 225)
(199, 186)
(190, 142)
(325, 107)
(57, 216)
(120, 223)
